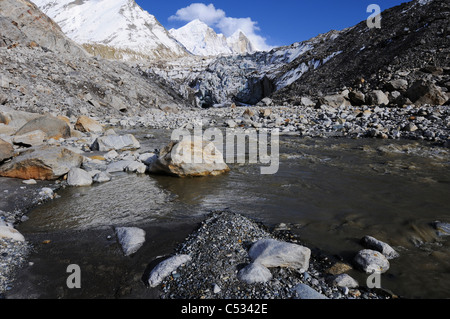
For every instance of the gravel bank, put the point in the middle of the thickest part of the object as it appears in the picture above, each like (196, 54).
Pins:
(219, 249)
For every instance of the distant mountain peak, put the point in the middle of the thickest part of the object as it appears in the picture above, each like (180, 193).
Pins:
(118, 29)
(200, 39)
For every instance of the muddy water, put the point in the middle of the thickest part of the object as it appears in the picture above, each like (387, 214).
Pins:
(331, 192)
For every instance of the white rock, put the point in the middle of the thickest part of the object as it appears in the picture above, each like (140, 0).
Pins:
(254, 273)
(274, 253)
(46, 193)
(130, 238)
(9, 232)
(29, 182)
(136, 167)
(344, 280)
(165, 268)
(78, 177)
(116, 142)
(101, 177)
(118, 166)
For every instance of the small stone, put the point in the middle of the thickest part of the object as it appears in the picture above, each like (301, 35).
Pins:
(344, 280)
(165, 268)
(306, 292)
(375, 244)
(79, 177)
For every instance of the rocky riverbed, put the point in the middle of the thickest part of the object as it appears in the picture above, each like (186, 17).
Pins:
(103, 151)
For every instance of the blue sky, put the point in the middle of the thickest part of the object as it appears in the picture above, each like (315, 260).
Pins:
(277, 22)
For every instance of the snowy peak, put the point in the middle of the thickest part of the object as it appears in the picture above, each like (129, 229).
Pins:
(240, 44)
(118, 29)
(200, 39)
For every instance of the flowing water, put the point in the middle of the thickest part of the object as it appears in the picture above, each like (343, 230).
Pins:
(331, 192)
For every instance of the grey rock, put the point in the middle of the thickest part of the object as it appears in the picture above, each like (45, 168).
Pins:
(377, 97)
(371, 261)
(101, 177)
(51, 126)
(165, 268)
(6, 150)
(344, 280)
(274, 253)
(306, 292)
(32, 138)
(118, 166)
(397, 85)
(136, 167)
(130, 238)
(79, 177)
(116, 142)
(254, 273)
(357, 98)
(384, 248)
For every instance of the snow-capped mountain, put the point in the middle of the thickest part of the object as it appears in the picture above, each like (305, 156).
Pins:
(240, 44)
(202, 40)
(117, 29)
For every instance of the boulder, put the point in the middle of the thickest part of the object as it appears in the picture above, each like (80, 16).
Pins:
(136, 167)
(274, 253)
(165, 268)
(116, 142)
(78, 177)
(52, 126)
(101, 177)
(371, 261)
(335, 100)
(86, 124)
(254, 273)
(190, 159)
(44, 162)
(397, 85)
(130, 238)
(426, 92)
(33, 138)
(377, 97)
(375, 244)
(6, 150)
(357, 98)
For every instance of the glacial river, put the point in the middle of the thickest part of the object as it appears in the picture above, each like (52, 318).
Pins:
(330, 192)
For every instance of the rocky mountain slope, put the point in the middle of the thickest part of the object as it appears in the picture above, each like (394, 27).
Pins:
(413, 44)
(114, 29)
(202, 40)
(44, 71)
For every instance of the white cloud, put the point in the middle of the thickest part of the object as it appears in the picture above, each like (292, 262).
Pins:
(217, 18)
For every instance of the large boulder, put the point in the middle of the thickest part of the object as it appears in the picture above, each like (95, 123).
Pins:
(274, 253)
(52, 126)
(42, 163)
(6, 150)
(335, 100)
(426, 92)
(86, 124)
(32, 138)
(377, 97)
(108, 143)
(190, 158)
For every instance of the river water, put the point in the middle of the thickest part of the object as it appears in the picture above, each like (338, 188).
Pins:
(330, 192)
